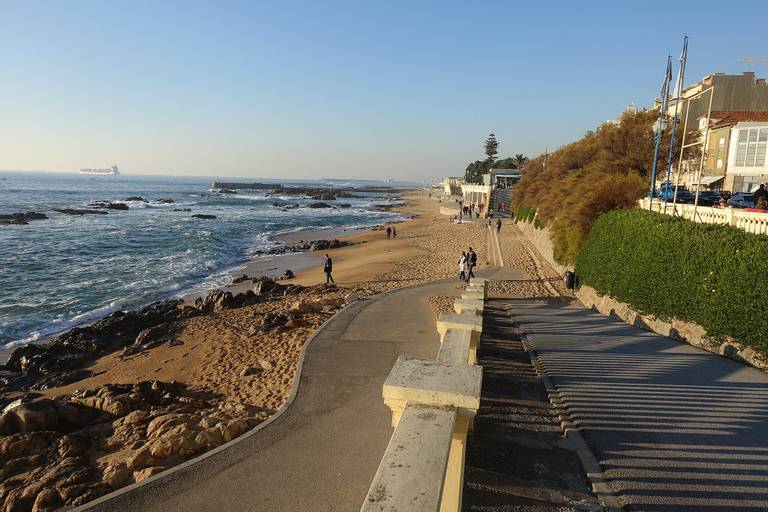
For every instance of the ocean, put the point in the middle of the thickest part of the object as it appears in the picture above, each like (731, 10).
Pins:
(69, 270)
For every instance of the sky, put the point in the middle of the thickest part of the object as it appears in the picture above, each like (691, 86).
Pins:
(357, 89)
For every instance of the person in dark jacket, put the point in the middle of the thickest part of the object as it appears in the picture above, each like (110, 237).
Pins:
(328, 269)
(760, 192)
(471, 263)
(498, 225)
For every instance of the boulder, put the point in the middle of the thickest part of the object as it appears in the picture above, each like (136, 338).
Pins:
(240, 279)
(117, 475)
(318, 205)
(202, 216)
(145, 473)
(165, 201)
(135, 199)
(34, 416)
(47, 500)
(288, 274)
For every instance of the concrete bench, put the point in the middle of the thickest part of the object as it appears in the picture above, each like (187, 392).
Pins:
(438, 384)
(464, 321)
(412, 473)
(456, 346)
(470, 306)
(472, 293)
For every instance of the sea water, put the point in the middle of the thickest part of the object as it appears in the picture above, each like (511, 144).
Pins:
(69, 270)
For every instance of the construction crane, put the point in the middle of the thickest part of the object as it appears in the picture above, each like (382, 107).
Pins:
(754, 60)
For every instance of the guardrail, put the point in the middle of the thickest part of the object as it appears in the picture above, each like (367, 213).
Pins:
(751, 222)
(433, 406)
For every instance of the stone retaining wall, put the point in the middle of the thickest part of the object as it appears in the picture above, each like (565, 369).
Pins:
(541, 239)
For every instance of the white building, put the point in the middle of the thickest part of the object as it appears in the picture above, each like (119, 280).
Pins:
(747, 161)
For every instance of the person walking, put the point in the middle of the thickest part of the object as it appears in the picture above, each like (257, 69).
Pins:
(498, 225)
(328, 269)
(471, 263)
(463, 266)
(394, 232)
(389, 232)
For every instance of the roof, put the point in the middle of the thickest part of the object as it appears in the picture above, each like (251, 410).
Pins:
(729, 118)
(707, 180)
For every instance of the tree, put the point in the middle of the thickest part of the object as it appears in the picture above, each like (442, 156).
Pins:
(505, 163)
(475, 170)
(491, 147)
(520, 160)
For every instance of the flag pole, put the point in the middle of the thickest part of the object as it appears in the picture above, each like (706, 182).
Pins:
(679, 87)
(658, 131)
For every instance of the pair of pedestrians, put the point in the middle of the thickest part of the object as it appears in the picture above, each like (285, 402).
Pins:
(467, 264)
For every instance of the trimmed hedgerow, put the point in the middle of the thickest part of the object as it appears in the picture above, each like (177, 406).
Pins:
(713, 275)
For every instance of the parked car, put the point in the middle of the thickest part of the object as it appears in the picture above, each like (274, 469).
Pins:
(683, 195)
(709, 197)
(741, 200)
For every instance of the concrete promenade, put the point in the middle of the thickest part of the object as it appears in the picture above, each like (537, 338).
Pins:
(323, 452)
(673, 428)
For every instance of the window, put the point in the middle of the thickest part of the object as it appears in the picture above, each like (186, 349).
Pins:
(751, 147)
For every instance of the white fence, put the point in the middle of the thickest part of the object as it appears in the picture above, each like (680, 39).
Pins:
(751, 222)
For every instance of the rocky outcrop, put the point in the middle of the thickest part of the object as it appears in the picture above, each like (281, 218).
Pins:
(137, 199)
(62, 452)
(109, 206)
(316, 245)
(202, 216)
(220, 300)
(164, 201)
(21, 218)
(76, 211)
(318, 205)
(58, 361)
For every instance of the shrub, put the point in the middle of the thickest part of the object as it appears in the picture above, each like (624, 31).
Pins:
(606, 169)
(709, 274)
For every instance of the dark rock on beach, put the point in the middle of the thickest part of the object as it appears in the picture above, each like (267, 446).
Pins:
(316, 245)
(201, 216)
(41, 366)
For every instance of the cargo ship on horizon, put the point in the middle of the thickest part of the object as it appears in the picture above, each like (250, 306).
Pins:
(112, 171)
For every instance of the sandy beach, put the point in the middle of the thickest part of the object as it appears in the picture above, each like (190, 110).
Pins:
(213, 376)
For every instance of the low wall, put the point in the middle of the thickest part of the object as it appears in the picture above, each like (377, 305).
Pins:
(542, 241)
(687, 332)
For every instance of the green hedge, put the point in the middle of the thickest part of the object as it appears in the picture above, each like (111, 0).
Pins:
(716, 276)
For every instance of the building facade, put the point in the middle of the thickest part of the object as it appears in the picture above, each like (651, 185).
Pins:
(747, 161)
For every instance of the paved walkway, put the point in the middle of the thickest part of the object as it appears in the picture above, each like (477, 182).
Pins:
(322, 453)
(674, 428)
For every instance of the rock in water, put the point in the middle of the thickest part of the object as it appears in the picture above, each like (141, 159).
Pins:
(202, 216)
(75, 211)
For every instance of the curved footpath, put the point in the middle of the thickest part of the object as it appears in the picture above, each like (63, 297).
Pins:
(322, 452)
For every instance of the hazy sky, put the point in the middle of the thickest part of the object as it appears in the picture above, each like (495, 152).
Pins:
(365, 89)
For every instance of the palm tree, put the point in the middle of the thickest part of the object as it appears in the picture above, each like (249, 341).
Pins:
(520, 160)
